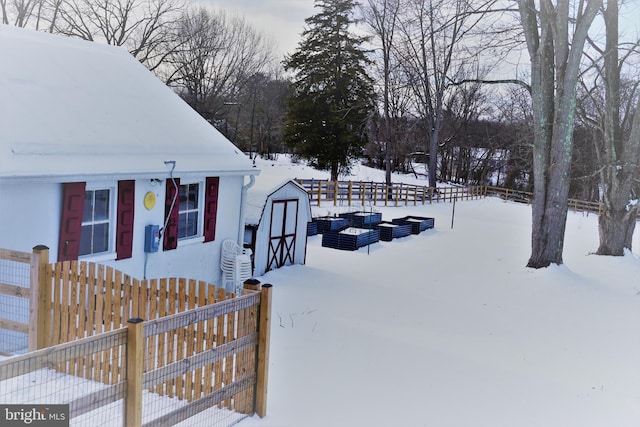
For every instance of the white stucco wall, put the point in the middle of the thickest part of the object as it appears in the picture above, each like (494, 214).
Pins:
(30, 216)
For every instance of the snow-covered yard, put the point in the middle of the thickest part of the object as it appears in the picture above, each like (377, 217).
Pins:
(449, 328)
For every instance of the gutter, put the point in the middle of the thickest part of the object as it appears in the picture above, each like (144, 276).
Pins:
(243, 202)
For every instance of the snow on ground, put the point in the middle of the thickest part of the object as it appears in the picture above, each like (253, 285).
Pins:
(449, 328)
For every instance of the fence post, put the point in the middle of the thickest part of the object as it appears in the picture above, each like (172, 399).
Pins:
(335, 192)
(375, 194)
(350, 193)
(40, 300)
(135, 369)
(264, 335)
(320, 191)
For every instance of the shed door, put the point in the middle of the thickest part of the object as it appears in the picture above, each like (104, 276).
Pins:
(282, 235)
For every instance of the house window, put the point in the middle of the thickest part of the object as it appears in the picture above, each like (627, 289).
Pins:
(96, 222)
(188, 211)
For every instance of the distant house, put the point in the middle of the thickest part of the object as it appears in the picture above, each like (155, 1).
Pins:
(276, 225)
(100, 161)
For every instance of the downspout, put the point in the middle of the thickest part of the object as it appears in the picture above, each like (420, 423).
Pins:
(243, 202)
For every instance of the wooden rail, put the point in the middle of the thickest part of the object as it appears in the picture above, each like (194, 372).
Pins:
(348, 193)
(30, 263)
(526, 197)
(221, 364)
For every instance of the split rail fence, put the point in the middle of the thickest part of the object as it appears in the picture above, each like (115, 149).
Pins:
(174, 338)
(341, 193)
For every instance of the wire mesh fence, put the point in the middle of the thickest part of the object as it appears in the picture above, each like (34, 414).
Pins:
(199, 368)
(205, 362)
(14, 301)
(64, 374)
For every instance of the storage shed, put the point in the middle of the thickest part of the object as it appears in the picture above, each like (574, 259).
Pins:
(276, 225)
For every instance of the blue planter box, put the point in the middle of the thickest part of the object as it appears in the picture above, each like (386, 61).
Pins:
(350, 238)
(390, 231)
(363, 219)
(418, 223)
(312, 228)
(331, 224)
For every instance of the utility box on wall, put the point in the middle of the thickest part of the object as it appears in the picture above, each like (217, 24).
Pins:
(151, 238)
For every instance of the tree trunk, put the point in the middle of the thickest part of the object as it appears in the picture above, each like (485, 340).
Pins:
(616, 230)
(619, 156)
(555, 66)
(334, 171)
(433, 158)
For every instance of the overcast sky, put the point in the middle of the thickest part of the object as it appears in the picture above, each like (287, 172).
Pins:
(283, 20)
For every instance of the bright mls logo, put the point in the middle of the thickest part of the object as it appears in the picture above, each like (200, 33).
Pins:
(34, 415)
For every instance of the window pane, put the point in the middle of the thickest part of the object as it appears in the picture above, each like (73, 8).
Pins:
(100, 238)
(193, 196)
(182, 225)
(101, 208)
(188, 224)
(85, 239)
(192, 224)
(87, 215)
(184, 192)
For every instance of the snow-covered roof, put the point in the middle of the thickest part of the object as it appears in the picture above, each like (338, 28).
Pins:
(258, 194)
(72, 108)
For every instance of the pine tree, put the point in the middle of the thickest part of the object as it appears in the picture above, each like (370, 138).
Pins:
(332, 94)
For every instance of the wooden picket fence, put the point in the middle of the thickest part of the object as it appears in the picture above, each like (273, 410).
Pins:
(198, 343)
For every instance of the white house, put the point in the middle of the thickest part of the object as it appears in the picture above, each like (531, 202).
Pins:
(276, 225)
(100, 161)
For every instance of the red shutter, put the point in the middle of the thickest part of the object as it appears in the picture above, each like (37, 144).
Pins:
(211, 208)
(71, 220)
(124, 225)
(170, 233)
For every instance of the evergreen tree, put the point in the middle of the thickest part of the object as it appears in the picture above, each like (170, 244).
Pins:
(332, 94)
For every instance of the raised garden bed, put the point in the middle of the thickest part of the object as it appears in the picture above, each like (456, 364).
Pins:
(390, 231)
(331, 223)
(312, 228)
(418, 223)
(362, 219)
(350, 238)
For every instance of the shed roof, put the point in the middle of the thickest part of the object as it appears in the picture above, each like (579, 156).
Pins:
(71, 108)
(258, 195)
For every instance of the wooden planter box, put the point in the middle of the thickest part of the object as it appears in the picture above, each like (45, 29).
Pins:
(330, 223)
(390, 231)
(418, 223)
(350, 238)
(363, 219)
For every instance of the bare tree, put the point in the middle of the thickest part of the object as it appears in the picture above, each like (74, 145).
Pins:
(382, 16)
(146, 28)
(436, 43)
(27, 13)
(219, 54)
(614, 115)
(555, 41)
